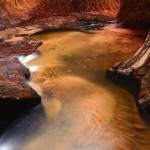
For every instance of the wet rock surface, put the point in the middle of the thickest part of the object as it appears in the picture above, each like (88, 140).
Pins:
(13, 77)
(138, 69)
(143, 76)
(16, 96)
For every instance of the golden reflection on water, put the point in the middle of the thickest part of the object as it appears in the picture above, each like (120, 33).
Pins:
(83, 110)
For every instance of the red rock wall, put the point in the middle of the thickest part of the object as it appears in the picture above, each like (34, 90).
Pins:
(16, 11)
(134, 14)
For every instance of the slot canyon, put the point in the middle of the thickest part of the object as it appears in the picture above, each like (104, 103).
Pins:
(74, 74)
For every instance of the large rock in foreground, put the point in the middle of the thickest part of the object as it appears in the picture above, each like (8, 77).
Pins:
(16, 97)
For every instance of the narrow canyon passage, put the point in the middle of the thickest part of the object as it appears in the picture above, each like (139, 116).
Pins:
(80, 109)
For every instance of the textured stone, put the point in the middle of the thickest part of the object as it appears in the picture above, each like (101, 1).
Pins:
(134, 14)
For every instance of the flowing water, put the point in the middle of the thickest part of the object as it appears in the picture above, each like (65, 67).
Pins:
(80, 109)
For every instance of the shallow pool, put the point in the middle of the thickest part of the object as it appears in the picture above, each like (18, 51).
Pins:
(80, 109)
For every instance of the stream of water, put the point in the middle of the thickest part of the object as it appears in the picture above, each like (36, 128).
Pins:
(80, 109)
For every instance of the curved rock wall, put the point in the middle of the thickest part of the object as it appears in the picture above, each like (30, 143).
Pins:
(15, 11)
(134, 14)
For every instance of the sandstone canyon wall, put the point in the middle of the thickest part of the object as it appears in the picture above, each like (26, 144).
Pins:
(134, 14)
(130, 13)
(15, 11)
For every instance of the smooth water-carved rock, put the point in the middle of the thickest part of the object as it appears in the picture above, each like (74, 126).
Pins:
(134, 14)
(138, 66)
(16, 97)
(16, 11)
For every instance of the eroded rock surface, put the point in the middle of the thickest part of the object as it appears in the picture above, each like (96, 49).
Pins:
(134, 14)
(16, 11)
(15, 95)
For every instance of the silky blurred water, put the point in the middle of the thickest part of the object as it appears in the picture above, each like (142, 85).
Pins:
(80, 109)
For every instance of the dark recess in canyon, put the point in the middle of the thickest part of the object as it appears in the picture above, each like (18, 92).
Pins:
(21, 18)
